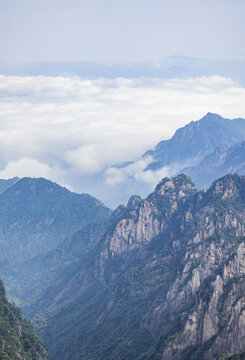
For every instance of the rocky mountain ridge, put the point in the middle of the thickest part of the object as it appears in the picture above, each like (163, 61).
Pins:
(191, 143)
(166, 281)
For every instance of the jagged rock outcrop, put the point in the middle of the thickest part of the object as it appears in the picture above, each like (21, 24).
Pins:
(166, 281)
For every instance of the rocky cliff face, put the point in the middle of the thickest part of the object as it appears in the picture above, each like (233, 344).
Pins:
(166, 281)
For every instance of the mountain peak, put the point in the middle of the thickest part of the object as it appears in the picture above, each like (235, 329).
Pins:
(228, 187)
(180, 184)
(35, 180)
(41, 213)
(134, 201)
(37, 186)
(191, 143)
(212, 116)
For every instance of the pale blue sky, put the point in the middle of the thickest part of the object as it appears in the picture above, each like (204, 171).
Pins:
(120, 30)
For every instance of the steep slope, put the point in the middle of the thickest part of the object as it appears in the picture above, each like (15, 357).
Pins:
(5, 184)
(27, 280)
(37, 214)
(195, 140)
(17, 339)
(165, 282)
(221, 161)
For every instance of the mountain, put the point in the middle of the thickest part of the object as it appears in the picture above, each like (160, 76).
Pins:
(37, 214)
(221, 161)
(195, 140)
(17, 339)
(28, 279)
(43, 227)
(5, 184)
(166, 281)
(188, 146)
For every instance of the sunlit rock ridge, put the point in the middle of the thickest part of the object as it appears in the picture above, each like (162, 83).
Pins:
(166, 281)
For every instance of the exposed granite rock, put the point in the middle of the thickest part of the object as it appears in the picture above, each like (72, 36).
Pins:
(134, 202)
(167, 279)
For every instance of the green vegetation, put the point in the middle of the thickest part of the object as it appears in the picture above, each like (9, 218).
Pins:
(30, 279)
(37, 214)
(17, 339)
(238, 356)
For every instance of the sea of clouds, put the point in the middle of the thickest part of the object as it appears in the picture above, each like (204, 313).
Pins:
(74, 131)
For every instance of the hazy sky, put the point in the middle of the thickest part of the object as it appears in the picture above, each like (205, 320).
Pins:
(120, 30)
(73, 130)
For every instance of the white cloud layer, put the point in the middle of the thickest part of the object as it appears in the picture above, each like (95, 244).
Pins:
(32, 168)
(67, 128)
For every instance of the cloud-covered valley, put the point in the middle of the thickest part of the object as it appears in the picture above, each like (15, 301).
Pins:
(74, 130)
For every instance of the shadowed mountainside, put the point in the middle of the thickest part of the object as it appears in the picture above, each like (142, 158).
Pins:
(195, 140)
(37, 214)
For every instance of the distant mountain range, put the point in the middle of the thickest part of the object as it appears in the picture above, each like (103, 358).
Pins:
(187, 148)
(204, 150)
(197, 139)
(170, 67)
